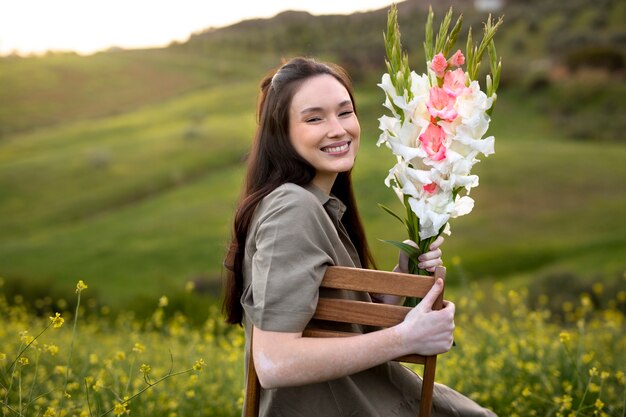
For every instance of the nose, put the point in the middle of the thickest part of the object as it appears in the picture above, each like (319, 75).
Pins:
(335, 128)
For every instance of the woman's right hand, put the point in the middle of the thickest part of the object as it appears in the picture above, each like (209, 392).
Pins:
(426, 331)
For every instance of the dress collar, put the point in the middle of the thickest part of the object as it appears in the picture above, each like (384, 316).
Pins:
(332, 204)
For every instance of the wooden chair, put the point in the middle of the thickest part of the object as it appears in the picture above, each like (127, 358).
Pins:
(369, 314)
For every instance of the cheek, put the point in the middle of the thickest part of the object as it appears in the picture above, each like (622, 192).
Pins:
(357, 128)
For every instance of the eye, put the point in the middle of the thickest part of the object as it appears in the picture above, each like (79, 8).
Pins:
(346, 113)
(313, 119)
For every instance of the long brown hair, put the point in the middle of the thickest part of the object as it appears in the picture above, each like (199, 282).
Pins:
(273, 161)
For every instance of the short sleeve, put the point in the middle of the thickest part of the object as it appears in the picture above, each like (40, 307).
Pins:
(290, 256)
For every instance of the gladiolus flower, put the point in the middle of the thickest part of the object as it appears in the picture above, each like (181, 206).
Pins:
(441, 104)
(430, 188)
(457, 59)
(432, 142)
(454, 83)
(439, 64)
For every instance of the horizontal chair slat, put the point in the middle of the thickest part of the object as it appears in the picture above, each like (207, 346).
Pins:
(370, 280)
(360, 312)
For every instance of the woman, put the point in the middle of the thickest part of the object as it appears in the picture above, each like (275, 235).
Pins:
(297, 216)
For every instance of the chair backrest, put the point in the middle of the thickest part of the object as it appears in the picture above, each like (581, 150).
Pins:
(364, 313)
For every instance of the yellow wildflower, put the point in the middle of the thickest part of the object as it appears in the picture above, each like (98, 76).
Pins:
(139, 348)
(80, 286)
(120, 356)
(163, 301)
(121, 408)
(98, 385)
(597, 288)
(51, 349)
(3, 356)
(25, 337)
(23, 361)
(599, 404)
(565, 337)
(604, 375)
(57, 320)
(198, 365)
(49, 412)
(526, 392)
(593, 371)
(190, 286)
(144, 369)
(566, 402)
(619, 375)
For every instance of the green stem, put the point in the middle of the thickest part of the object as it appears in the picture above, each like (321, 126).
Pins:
(19, 355)
(169, 375)
(69, 356)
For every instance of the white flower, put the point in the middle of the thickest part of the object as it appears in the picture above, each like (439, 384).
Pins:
(432, 186)
(433, 213)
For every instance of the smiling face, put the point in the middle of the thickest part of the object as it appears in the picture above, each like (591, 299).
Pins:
(323, 128)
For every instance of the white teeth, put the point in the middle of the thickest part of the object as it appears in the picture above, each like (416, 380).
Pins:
(335, 149)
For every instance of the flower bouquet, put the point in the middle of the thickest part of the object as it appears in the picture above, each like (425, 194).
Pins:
(436, 128)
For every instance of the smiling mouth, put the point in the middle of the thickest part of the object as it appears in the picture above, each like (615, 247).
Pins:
(339, 148)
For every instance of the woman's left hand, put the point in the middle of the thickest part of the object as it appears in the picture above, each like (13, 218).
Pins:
(431, 259)
(428, 260)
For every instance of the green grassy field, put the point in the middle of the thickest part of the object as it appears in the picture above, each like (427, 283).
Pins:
(140, 203)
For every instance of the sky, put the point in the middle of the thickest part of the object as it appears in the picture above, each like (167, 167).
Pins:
(88, 26)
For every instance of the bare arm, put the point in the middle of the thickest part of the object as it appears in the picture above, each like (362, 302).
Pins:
(288, 359)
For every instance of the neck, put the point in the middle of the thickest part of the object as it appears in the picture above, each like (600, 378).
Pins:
(324, 182)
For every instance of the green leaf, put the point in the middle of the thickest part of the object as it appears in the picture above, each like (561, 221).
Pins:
(443, 31)
(454, 34)
(388, 210)
(428, 42)
(411, 251)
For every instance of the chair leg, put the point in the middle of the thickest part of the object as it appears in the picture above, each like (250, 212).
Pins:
(253, 389)
(428, 386)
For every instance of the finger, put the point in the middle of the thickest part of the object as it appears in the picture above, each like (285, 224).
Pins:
(410, 242)
(431, 265)
(438, 242)
(429, 299)
(430, 255)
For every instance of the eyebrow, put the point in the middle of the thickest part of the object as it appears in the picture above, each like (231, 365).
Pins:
(316, 109)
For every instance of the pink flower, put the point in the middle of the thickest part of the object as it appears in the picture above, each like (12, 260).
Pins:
(454, 83)
(457, 59)
(439, 64)
(430, 188)
(441, 104)
(432, 142)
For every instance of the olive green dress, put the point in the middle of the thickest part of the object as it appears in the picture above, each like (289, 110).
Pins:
(296, 233)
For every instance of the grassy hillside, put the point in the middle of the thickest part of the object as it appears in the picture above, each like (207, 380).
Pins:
(127, 179)
(153, 212)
